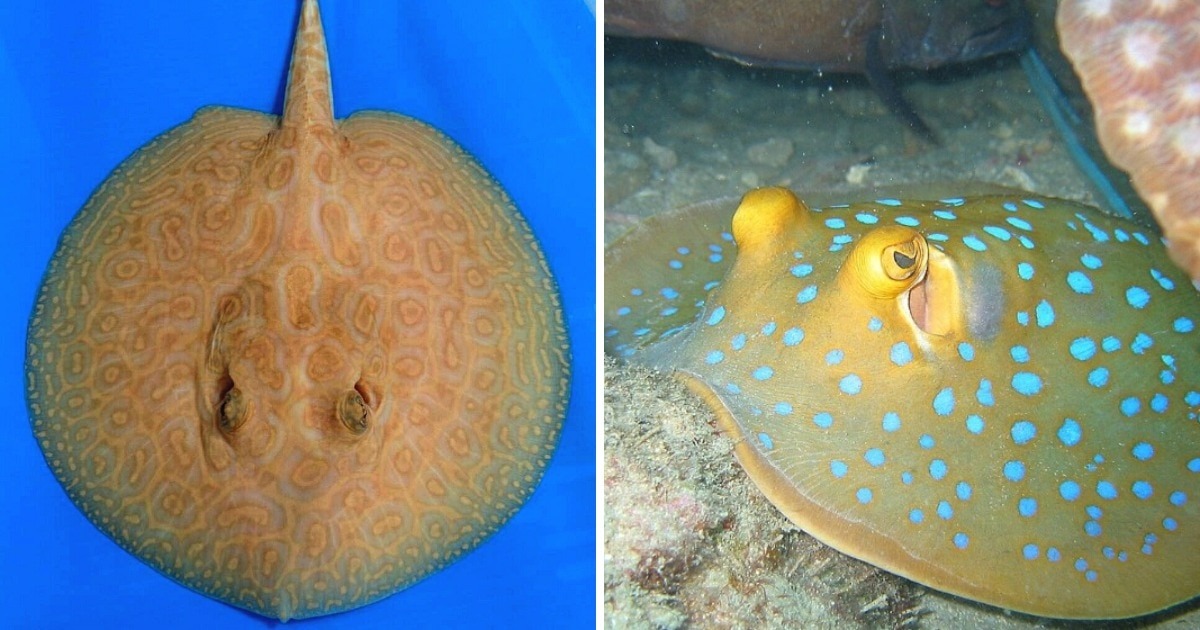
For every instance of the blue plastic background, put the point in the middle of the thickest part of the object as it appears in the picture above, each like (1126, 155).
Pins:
(83, 84)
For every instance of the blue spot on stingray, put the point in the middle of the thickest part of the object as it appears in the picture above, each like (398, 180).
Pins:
(906, 477)
(1033, 203)
(1159, 403)
(835, 224)
(1026, 383)
(891, 422)
(807, 294)
(974, 243)
(1027, 507)
(975, 424)
(908, 221)
(1092, 528)
(874, 457)
(1141, 238)
(766, 441)
(953, 201)
(1044, 313)
(834, 357)
(733, 388)
(1094, 511)
(997, 232)
(1098, 377)
(623, 311)
(943, 402)
(888, 201)
(1053, 554)
(1106, 490)
(1020, 354)
(863, 495)
(1069, 490)
(1142, 490)
(966, 351)
(792, 336)
(937, 469)
(1010, 206)
(1079, 282)
(716, 316)
(961, 540)
(1166, 283)
(926, 441)
(1091, 262)
(1178, 498)
(1023, 431)
(669, 311)
(944, 510)
(1099, 235)
(1025, 242)
(937, 236)
(641, 332)
(1023, 318)
(1137, 297)
(709, 286)
(1019, 223)
(875, 325)
(1014, 470)
(823, 420)
(984, 393)
(714, 357)
(1025, 270)
(866, 219)
(763, 373)
(901, 354)
(1169, 524)
(1192, 398)
(1143, 451)
(635, 292)
(669, 293)
(1110, 344)
(1083, 348)
(768, 328)
(850, 384)
(1070, 432)
(738, 342)
(1131, 406)
(675, 264)
(838, 468)
(944, 214)
(962, 490)
(1184, 325)
(916, 516)
(842, 239)
(783, 409)
(801, 270)
(715, 258)
(1030, 551)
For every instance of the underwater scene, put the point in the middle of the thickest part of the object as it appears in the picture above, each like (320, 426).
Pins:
(323, 447)
(899, 314)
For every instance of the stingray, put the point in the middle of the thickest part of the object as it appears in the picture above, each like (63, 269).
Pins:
(995, 396)
(296, 363)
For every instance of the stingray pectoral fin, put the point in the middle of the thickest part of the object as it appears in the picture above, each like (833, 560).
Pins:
(841, 531)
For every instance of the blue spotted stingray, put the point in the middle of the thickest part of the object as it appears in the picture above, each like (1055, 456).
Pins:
(996, 397)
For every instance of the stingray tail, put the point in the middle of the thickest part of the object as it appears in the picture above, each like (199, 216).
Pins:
(309, 99)
(885, 86)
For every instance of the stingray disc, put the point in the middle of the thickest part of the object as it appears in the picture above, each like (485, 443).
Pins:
(295, 363)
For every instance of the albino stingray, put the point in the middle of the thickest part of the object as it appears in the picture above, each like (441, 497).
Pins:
(295, 363)
(995, 396)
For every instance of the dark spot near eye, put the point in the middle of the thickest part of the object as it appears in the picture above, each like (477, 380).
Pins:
(903, 261)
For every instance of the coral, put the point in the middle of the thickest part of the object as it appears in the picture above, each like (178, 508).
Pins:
(1139, 63)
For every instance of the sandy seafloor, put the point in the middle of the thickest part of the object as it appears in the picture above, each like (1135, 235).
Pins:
(689, 542)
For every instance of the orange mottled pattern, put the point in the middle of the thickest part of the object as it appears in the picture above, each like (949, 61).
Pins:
(297, 364)
(1139, 62)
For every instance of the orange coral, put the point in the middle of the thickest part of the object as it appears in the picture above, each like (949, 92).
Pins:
(1140, 66)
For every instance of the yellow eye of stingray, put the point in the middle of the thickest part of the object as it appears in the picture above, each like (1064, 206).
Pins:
(888, 261)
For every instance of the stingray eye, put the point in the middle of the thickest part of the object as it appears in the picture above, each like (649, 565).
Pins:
(353, 412)
(233, 412)
(888, 261)
(900, 261)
